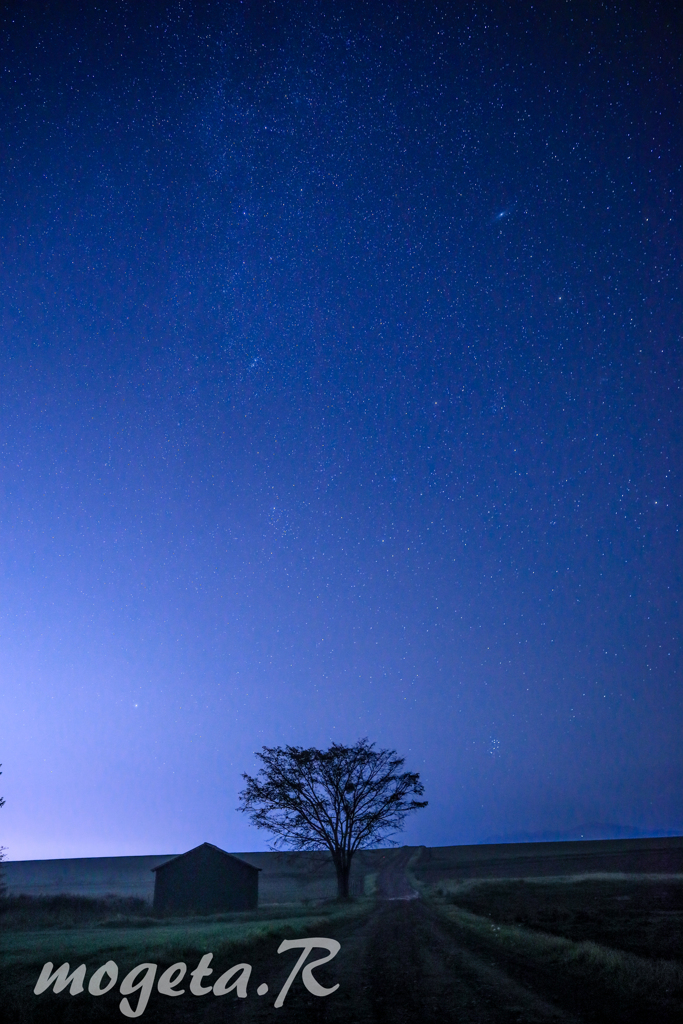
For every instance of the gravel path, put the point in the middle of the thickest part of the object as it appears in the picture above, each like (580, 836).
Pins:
(400, 965)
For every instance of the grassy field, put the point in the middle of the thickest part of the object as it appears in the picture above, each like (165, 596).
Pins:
(72, 927)
(602, 947)
(77, 931)
(610, 944)
(640, 915)
(662, 855)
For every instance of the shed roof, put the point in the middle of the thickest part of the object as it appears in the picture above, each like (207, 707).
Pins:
(201, 846)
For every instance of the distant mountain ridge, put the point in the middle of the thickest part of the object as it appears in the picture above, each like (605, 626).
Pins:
(593, 830)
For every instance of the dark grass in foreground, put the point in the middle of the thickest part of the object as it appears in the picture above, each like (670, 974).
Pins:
(605, 948)
(78, 930)
(64, 911)
(637, 915)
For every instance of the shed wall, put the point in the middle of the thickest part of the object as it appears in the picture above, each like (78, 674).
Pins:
(205, 883)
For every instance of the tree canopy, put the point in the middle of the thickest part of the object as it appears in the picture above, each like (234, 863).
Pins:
(342, 799)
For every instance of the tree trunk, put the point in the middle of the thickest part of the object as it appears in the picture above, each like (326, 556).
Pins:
(343, 867)
(343, 881)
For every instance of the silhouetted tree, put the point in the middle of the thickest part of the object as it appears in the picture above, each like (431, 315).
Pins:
(343, 799)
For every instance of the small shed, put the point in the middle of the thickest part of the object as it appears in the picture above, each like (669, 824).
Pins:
(205, 880)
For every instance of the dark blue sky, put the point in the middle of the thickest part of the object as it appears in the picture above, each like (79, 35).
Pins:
(341, 396)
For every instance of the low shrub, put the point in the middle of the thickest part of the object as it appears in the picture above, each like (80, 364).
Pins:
(19, 913)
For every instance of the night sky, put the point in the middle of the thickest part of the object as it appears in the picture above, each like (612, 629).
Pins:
(341, 396)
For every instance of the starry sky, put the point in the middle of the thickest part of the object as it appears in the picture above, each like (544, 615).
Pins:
(341, 362)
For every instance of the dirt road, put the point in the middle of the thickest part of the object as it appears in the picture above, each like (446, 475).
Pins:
(400, 965)
(392, 882)
(416, 971)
